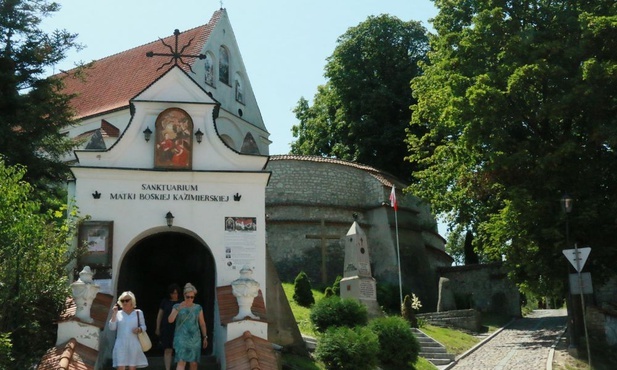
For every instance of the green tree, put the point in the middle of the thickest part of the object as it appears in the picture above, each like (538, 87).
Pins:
(362, 112)
(32, 109)
(34, 250)
(303, 293)
(519, 103)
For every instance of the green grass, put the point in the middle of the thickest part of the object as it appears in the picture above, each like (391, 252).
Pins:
(455, 341)
(302, 314)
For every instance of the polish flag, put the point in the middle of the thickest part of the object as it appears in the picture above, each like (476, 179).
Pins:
(393, 199)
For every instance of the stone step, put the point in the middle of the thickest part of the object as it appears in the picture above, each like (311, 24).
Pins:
(432, 350)
(440, 362)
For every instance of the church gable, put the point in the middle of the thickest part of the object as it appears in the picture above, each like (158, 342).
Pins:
(210, 57)
(172, 127)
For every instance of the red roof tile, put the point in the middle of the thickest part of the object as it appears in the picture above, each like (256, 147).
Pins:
(114, 80)
(69, 356)
(249, 352)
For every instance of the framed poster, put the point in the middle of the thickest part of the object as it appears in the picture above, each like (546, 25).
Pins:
(96, 237)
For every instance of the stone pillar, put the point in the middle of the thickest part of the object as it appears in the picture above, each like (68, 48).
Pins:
(358, 281)
(245, 289)
(446, 296)
(84, 292)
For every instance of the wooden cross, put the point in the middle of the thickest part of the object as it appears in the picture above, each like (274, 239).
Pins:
(323, 237)
(174, 54)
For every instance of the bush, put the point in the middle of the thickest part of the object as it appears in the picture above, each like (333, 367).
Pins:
(328, 292)
(398, 347)
(336, 286)
(334, 311)
(303, 295)
(348, 349)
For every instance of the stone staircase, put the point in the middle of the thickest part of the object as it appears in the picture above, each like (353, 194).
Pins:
(432, 350)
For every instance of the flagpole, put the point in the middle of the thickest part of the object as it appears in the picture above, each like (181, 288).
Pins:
(394, 205)
(398, 254)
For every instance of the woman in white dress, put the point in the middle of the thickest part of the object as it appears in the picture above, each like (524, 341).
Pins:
(127, 352)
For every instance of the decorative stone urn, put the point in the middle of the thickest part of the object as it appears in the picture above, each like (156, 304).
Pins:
(84, 292)
(245, 289)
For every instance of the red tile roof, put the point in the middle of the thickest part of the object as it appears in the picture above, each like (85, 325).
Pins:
(114, 80)
(69, 356)
(250, 353)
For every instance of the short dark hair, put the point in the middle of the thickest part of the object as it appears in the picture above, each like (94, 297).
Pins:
(173, 288)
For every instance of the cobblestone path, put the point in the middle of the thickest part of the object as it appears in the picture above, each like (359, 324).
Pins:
(524, 345)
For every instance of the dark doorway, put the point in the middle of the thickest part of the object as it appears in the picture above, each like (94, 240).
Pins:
(160, 260)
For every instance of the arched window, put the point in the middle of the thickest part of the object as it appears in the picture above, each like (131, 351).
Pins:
(224, 65)
(209, 67)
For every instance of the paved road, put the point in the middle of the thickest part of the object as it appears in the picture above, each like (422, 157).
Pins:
(524, 344)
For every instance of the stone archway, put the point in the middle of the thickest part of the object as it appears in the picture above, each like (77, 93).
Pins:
(160, 260)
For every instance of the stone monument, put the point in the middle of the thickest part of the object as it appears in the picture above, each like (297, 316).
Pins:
(358, 281)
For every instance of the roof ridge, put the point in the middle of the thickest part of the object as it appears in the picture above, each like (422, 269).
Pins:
(386, 178)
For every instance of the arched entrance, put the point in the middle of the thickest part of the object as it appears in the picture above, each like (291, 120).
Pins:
(163, 259)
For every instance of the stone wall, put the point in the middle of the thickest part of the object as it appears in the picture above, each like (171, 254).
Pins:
(602, 318)
(463, 319)
(308, 197)
(484, 287)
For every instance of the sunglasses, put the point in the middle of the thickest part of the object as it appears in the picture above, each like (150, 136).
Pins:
(189, 296)
(125, 300)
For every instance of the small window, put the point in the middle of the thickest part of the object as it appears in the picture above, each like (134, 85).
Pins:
(224, 65)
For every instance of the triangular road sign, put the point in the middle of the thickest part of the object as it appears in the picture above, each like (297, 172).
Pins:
(583, 254)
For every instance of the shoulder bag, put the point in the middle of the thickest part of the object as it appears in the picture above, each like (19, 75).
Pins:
(143, 337)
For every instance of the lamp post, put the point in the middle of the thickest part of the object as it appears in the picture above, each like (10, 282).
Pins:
(566, 205)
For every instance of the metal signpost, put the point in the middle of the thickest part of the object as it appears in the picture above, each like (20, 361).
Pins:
(578, 257)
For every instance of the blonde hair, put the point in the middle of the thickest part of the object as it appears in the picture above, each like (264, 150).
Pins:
(188, 287)
(130, 295)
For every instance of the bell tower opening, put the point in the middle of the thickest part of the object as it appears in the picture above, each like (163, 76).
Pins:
(163, 259)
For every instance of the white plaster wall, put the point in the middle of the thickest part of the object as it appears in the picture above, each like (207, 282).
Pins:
(136, 217)
(237, 328)
(86, 334)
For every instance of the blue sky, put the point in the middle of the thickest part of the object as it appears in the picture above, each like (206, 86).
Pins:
(284, 43)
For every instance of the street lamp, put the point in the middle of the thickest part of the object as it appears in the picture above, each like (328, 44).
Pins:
(566, 206)
(169, 217)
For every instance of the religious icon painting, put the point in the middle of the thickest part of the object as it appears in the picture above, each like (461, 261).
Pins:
(174, 140)
(95, 237)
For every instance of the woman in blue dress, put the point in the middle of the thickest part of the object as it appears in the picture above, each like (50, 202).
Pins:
(191, 334)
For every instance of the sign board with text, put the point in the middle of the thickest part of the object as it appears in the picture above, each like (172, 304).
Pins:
(585, 281)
